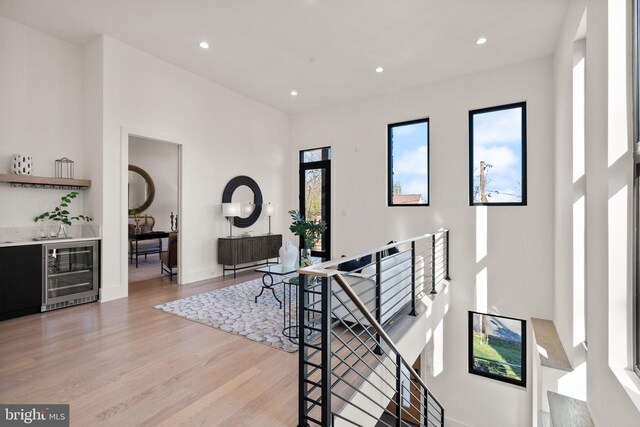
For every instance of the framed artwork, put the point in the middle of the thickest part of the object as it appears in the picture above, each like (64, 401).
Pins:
(498, 347)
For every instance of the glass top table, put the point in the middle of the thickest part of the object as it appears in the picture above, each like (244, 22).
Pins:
(277, 269)
(269, 283)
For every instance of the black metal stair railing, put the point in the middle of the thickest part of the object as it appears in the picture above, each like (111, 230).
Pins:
(351, 372)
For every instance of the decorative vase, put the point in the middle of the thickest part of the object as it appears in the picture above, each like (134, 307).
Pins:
(21, 165)
(53, 229)
(43, 230)
(305, 258)
(63, 231)
(288, 254)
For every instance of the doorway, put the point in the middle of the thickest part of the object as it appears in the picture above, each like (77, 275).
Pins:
(315, 194)
(153, 214)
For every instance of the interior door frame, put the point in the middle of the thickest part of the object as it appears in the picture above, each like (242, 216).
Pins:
(125, 133)
(320, 164)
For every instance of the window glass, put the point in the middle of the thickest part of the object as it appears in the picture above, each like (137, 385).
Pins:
(498, 155)
(408, 172)
(315, 155)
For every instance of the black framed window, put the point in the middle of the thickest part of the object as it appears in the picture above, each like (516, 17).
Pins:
(636, 192)
(315, 194)
(408, 168)
(498, 347)
(498, 155)
(636, 269)
(315, 155)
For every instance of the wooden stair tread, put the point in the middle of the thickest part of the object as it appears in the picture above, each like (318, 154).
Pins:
(550, 348)
(568, 412)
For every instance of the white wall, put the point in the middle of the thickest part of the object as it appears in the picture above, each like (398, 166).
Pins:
(609, 172)
(518, 254)
(570, 209)
(160, 161)
(41, 115)
(93, 120)
(607, 181)
(564, 186)
(223, 134)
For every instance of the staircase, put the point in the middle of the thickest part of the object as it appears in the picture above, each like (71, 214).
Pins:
(351, 371)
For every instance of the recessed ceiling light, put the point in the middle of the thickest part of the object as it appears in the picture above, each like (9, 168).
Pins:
(379, 70)
(204, 45)
(294, 93)
(481, 40)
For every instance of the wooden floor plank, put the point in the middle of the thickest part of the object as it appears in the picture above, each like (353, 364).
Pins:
(125, 363)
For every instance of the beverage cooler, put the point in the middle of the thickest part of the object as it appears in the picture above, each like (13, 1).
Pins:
(70, 274)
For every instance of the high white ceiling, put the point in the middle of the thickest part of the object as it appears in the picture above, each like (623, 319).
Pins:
(327, 50)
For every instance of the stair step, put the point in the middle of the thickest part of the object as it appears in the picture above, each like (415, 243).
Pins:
(568, 412)
(550, 348)
(544, 420)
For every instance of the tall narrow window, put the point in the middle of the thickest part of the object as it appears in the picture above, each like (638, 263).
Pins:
(636, 201)
(315, 194)
(497, 157)
(408, 170)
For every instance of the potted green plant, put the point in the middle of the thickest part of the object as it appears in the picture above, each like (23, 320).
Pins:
(310, 232)
(61, 216)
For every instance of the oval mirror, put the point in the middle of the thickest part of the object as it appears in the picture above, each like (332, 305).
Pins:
(142, 190)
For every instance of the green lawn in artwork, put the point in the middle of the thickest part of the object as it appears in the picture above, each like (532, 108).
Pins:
(504, 357)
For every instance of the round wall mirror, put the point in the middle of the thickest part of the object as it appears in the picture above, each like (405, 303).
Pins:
(244, 196)
(244, 190)
(142, 190)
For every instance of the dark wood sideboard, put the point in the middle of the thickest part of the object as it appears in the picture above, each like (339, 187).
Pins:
(238, 251)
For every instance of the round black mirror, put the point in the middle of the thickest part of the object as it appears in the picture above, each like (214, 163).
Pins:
(244, 197)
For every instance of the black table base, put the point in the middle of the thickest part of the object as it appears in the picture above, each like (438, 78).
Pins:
(270, 287)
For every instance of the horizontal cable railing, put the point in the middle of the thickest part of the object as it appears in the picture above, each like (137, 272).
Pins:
(351, 372)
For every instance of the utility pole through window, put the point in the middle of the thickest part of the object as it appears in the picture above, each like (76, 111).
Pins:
(483, 194)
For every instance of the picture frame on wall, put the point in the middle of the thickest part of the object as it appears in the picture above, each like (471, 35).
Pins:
(498, 347)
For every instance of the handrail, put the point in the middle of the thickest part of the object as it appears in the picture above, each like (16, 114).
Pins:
(372, 321)
(328, 312)
(324, 269)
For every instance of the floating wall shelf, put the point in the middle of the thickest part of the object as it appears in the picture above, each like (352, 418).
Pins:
(30, 181)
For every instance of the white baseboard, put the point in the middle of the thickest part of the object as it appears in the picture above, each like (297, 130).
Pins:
(199, 275)
(450, 422)
(116, 291)
(111, 293)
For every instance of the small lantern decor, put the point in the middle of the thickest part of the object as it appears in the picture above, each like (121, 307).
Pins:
(64, 168)
(21, 164)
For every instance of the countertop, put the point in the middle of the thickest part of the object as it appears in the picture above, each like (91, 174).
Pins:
(46, 242)
(21, 236)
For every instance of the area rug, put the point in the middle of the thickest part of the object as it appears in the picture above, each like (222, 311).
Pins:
(232, 309)
(148, 268)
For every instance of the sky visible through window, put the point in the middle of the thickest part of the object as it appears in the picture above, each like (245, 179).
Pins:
(410, 163)
(497, 141)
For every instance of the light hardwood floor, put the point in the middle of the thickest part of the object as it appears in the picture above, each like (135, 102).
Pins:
(124, 363)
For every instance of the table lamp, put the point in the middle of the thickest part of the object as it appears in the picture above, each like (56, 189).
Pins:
(230, 210)
(269, 210)
(248, 209)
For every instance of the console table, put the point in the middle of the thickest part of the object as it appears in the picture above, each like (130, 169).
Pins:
(152, 235)
(235, 251)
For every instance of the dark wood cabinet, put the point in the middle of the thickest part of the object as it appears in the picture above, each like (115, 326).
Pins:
(20, 280)
(235, 251)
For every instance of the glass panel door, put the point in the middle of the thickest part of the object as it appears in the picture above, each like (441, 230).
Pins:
(315, 194)
(70, 270)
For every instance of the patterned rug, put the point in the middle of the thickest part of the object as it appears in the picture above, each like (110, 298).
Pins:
(232, 309)
(147, 269)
